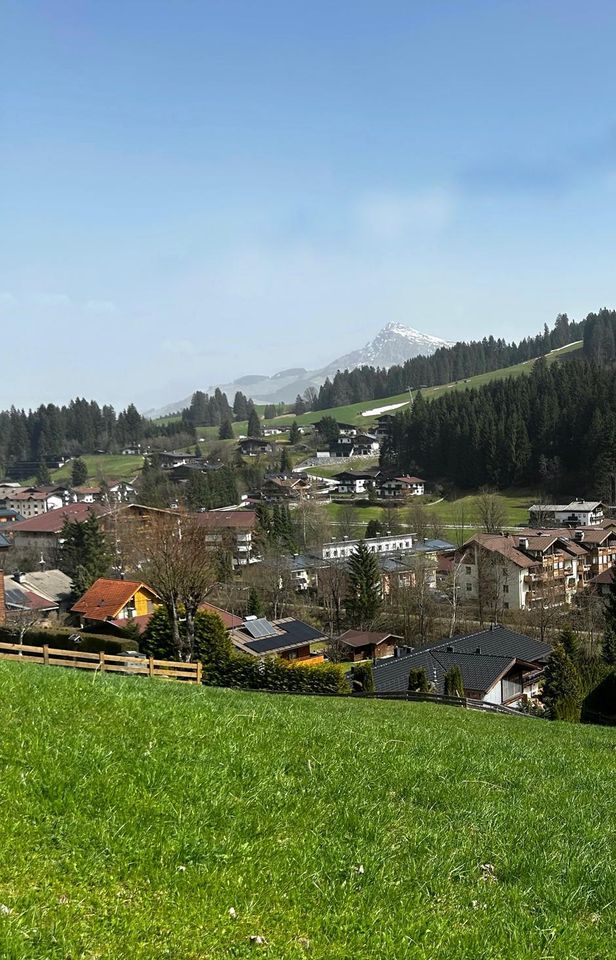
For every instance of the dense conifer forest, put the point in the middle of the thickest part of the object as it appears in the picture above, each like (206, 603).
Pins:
(554, 428)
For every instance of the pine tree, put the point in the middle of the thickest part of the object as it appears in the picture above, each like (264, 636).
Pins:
(254, 424)
(79, 472)
(364, 587)
(561, 687)
(285, 461)
(254, 607)
(294, 434)
(225, 431)
(85, 556)
(43, 476)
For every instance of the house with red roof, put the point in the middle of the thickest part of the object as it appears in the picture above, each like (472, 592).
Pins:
(119, 602)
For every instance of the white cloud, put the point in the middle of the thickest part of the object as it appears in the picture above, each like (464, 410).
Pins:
(387, 215)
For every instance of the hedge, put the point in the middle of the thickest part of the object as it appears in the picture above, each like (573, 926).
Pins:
(58, 639)
(272, 673)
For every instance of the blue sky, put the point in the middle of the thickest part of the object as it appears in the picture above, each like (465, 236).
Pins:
(193, 191)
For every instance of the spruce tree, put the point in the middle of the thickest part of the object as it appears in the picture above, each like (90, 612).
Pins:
(561, 687)
(285, 461)
(79, 472)
(85, 556)
(254, 607)
(364, 587)
(294, 434)
(43, 476)
(254, 424)
(225, 431)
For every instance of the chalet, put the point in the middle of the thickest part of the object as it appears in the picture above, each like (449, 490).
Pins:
(520, 572)
(355, 445)
(254, 447)
(287, 638)
(233, 528)
(384, 427)
(578, 513)
(87, 494)
(42, 532)
(354, 481)
(273, 431)
(118, 602)
(369, 645)
(282, 488)
(498, 666)
(398, 488)
(31, 501)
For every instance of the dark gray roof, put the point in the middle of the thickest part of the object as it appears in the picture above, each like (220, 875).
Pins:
(498, 648)
(3, 541)
(289, 634)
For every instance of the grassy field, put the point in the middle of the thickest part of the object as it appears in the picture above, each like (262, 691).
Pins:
(143, 820)
(515, 505)
(108, 466)
(353, 413)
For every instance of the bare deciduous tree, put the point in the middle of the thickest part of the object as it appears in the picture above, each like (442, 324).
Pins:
(491, 513)
(180, 566)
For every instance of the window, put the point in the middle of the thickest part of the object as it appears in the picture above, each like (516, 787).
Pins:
(506, 605)
(469, 586)
(505, 588)
(468, 569)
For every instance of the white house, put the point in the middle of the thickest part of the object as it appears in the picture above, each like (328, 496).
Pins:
(578, 513)
(398, 487)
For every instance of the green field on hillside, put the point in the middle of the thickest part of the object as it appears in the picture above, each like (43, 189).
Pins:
(112, 466)
(352, 413)
(146, 820)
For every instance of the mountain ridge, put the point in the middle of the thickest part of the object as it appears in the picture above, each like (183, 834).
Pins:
(393, 344)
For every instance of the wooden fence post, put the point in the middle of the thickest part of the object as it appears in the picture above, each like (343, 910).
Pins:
(46, 654)
(199, 671)
(150, 666)
(101, 660)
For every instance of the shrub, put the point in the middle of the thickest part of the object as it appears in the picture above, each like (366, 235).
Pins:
(59, 639)
(272, 673)
(454, 685)
(418, 680)
(363, 678)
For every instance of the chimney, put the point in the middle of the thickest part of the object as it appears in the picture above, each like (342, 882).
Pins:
(478, 650)
(523, 543)
(17, 576)
(2, 606)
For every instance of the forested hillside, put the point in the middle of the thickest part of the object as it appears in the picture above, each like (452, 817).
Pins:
(556, 426)
(446, 365)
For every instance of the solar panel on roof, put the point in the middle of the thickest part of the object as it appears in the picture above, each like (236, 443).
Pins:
(260, 628)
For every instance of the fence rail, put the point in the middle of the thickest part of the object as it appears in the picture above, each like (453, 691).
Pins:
(103, 662)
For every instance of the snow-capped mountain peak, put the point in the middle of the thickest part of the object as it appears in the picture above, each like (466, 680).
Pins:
(394, 344)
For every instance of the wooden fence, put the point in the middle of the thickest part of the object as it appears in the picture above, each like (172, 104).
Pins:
(103, 662)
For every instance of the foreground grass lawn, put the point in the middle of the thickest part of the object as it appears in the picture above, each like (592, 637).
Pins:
(137, 814)
(110, 466)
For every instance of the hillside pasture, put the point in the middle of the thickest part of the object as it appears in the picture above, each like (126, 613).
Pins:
(144, 819)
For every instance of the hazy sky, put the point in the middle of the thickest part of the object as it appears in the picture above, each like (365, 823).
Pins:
(192, 191)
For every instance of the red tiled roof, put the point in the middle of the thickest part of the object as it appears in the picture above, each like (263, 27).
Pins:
(141, 622)
(53, 520)
(229, 619)
(105, 598)
(608, 576)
